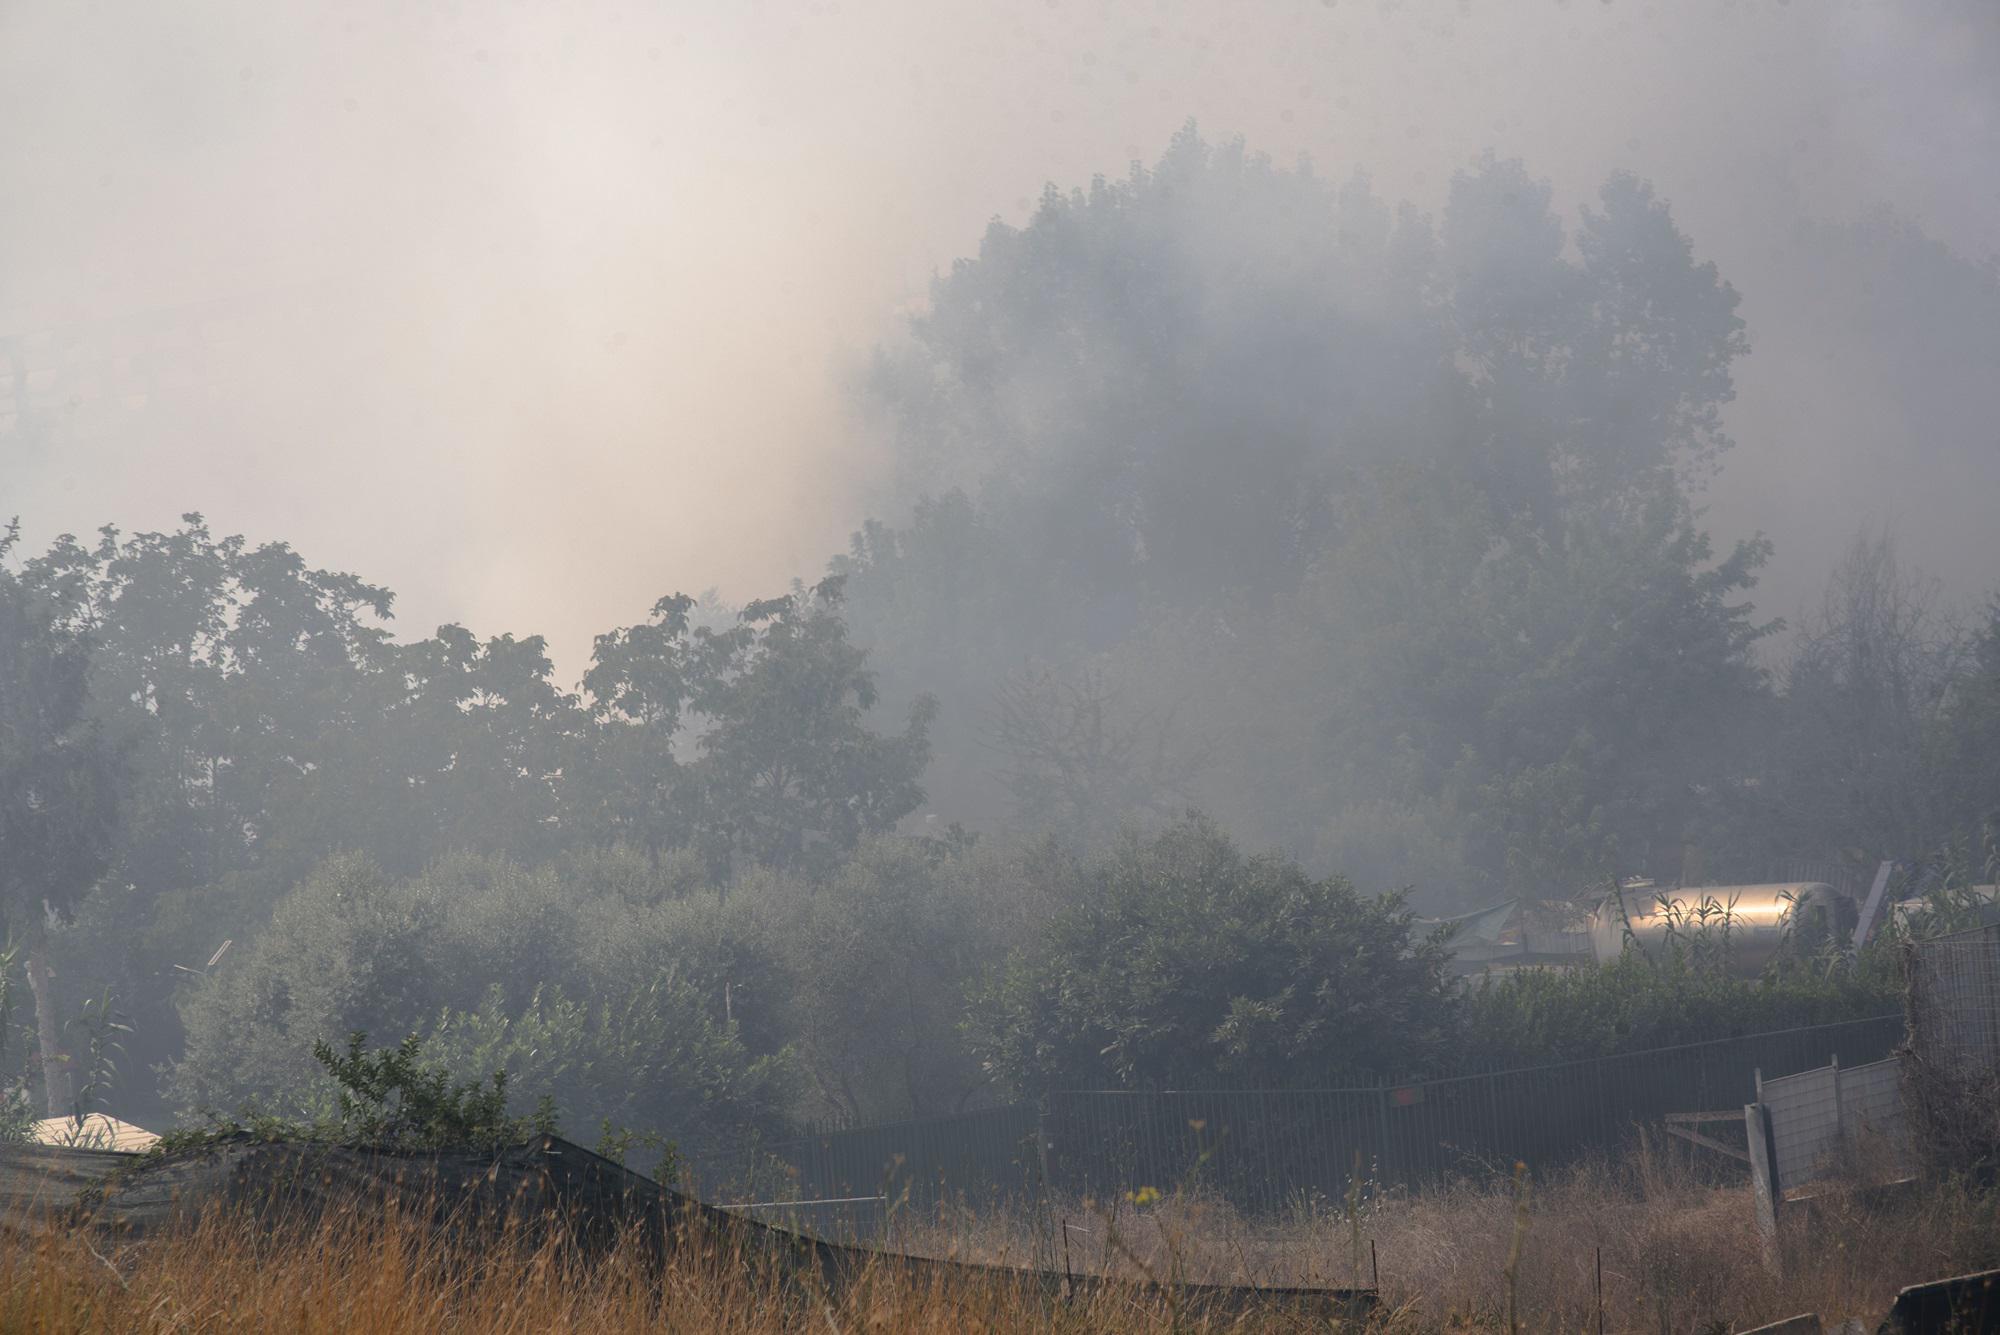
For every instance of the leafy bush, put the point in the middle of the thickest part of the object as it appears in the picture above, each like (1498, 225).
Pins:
(881, 961)
(1180, 963)
(17, 1110)
(1686, 990)
(651, 1058)
(480, 959)
(389, 1097)
(1535, 1016)
(386, 1099)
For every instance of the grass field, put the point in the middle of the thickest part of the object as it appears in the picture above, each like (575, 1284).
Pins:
(1679, 1248)
(1676, 1240)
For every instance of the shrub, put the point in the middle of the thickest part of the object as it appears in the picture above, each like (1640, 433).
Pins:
(1180, 963)
(480, 960)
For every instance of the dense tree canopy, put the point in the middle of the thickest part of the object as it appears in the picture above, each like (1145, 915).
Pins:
(59, 781)
(1375, 535)
(786, 772)
(558, 979)
(267, 722)
(1351, 503)
(58, 775)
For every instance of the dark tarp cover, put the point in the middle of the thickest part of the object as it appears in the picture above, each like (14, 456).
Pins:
(526, 1190)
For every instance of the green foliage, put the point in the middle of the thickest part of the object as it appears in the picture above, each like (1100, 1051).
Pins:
(17, 1111)
(1959, 891)
(390, 1097)
(348, 950)
(1219, 484)
(17, 1115)
(59, 773)
(1968, 745)
(1083, 758)
(101, 1023)
(482, 960)
(61, 782)
(881, 960)
(267, 722)
(232, 673)
(1181, 963)
(1879, 689)
(616, 1143)
(1685, 990)
(1381, 514)
(1535, 1016)
(786, 773)
(1579, 699)
(653, 1057)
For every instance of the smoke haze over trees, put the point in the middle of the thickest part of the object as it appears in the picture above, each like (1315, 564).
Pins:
(1248, 553)
(1375, 536)
(428, 296)
(1391, 519)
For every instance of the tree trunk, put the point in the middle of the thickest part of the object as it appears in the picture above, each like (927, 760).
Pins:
(55, 1063)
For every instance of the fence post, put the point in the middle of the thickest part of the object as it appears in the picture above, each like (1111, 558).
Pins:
(1384, 1164)
(1042, 1143)
(1770, 1197)
(1045, 1199)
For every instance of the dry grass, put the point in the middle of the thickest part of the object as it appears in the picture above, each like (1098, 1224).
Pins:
(1680, 1253)
(389, 1275)
(1676, 1232)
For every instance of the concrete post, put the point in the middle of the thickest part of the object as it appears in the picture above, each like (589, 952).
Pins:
(1770, 1198)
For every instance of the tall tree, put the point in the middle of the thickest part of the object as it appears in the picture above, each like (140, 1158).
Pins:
(1870, 687)
(1580, 696)
(58, 791)
(784, 771)
(1355, 487)
(1971, 752)
(633, 790)
(790, 771)
(228, 669)
(1082, 758)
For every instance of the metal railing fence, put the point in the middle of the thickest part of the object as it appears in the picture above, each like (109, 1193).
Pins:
(985, 1158)
(1269, 1150)
(1817, 1116)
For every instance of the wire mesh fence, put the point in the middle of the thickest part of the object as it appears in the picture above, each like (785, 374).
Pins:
(852, 1180)
(1954, 1000)
(1270, 1150)
(1266, 1150)
(1951, 1079)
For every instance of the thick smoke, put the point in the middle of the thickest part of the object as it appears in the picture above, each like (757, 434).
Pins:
(535, 312)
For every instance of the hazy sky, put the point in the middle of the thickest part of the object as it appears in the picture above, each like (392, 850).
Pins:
(535, 311)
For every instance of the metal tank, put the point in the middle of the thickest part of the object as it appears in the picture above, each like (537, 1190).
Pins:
(1760, 919)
